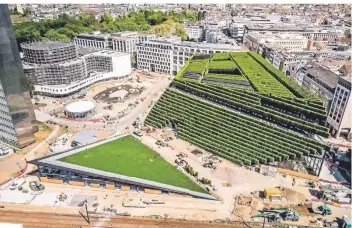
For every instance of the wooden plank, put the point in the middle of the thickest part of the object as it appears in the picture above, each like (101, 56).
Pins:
(152, 191)
(110, 186)
(125, 187)
(298, 174)
(95, 185)
(76, 183)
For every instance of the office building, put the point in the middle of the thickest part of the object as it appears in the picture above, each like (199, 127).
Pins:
(17, 120)
(321, 81)
(194, 31)
(61, 72)
(313, 33)
(121, 42)
(168, 55)
(289, 42)
(93, 41)
(340, 113)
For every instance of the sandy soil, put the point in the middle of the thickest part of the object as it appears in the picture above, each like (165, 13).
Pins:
(35, 219)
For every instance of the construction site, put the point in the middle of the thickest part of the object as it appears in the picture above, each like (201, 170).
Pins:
(243, 195)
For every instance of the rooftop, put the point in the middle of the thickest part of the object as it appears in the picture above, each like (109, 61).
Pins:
(209, 45)
(322, 74)
(85, 51)
(109, 53)
(104, 36)
(275, 27)
(46, 45)
(80, 106)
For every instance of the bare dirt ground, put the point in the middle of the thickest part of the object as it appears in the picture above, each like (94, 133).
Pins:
(47, 220)
(12, 164)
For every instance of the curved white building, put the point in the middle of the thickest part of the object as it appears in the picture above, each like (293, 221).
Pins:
(80, 109)
(67, 77)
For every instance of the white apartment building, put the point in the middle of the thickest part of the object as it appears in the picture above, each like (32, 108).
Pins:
(168, 56)
(155, 55)
(336, 55)
(124, 44)
(126, 41)
(195, 32)
(121, 42)
(313, 33)
(289, 42)
(340, 113)
(237, 31)
(92, 41)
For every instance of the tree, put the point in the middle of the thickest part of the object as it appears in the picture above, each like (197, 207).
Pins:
(108, 18)
(53, 35)
(87, 19)
(66, 28)
(67, 32)
(180, 31)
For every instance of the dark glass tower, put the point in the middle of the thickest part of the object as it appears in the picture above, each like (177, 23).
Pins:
(16, 111)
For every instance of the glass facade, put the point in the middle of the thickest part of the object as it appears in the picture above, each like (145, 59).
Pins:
(17, 120)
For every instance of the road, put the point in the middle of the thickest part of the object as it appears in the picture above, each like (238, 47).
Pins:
(31, 154)
(124, 122)
(53, 220)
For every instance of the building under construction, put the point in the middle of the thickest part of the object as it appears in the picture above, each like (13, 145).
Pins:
(48, 52)
(57, 70)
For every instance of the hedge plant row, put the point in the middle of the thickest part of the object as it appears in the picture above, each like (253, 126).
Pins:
(261, 80)
(252, 107)
(281, 77)
(227, 76)
(236, 137)
(220, 56)
(227, 65)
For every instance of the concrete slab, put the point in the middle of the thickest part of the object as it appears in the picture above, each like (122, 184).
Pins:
(77, 199)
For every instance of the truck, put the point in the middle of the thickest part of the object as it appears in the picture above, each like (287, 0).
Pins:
(322, 210)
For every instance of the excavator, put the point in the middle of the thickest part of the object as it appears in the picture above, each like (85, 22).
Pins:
(276, 214)
(271, 217)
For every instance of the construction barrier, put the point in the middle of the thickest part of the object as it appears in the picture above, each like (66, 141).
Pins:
(298, 174)
(76, 183)
(152, 191)
(179, 195)
(125, 187)
(52, 181)
(110, 186)
(95, 185)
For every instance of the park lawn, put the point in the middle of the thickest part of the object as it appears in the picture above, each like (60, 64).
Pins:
(128, 156)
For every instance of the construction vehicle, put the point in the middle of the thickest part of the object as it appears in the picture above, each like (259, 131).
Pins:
(210, 164)
(17, 183)
(183, 155)
(62, 197)
(160, 143)
(311, 184)
(138, 133)
(346, 222)
(285, 213)
(271, 217)
(322, 210)
(35, 186)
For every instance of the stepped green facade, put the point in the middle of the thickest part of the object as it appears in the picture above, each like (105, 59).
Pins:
(273, 120)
